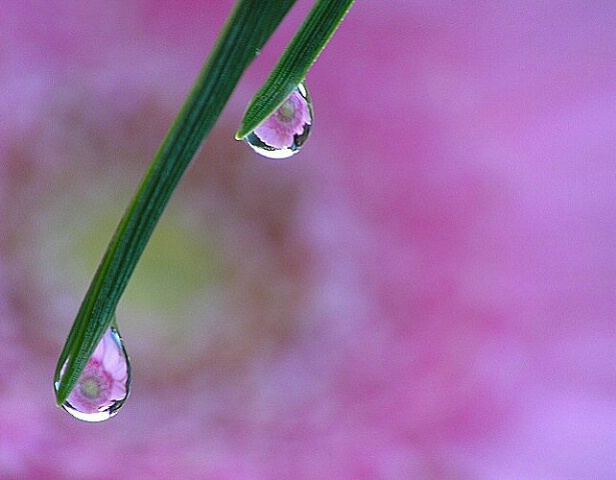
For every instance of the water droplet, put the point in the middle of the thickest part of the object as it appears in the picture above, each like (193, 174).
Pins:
(285, 131)
(104, 384)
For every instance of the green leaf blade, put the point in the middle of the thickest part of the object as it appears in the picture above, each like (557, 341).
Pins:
(301, 53)
(249, 26)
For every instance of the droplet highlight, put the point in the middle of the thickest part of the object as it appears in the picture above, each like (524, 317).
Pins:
(104, 384)
(286, 130)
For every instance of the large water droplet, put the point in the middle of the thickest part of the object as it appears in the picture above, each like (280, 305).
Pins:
(104, 384)
(286, 130)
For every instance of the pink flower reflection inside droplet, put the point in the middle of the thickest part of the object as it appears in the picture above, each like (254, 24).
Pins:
(104, 384)
(291, 118)
(286, 130)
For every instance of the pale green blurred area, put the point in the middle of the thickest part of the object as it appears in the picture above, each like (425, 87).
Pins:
(176, 265)
(169, 298)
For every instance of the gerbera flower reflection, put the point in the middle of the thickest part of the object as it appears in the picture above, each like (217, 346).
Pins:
(104, 384)
(286, 130)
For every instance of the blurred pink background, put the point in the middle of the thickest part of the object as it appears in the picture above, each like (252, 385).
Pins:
(427, 291)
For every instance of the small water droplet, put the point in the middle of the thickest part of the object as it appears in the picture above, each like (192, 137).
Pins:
(104, 384)
(285, 131)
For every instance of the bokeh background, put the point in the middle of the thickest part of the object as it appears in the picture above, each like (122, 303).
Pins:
(427, 291)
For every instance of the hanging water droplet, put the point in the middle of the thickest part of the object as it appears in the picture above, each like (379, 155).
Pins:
(285, 131)
(104, 384)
